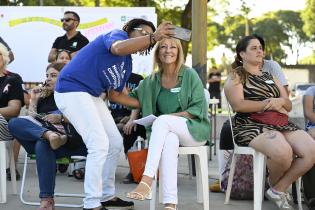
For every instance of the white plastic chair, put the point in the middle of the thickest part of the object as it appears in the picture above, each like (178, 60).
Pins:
(259, 166)
(201, 162)
(75, 158)
(202, 173)
(6, 146)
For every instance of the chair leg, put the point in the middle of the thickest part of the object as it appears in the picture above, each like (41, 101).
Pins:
(298, 193)
(12, 167)
(3, 181)
(259, 165)
(230, 180)
(202, 179)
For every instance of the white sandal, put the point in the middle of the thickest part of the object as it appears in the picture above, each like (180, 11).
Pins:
(140, 196)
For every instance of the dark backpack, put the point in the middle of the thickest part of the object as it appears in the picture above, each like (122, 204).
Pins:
(308, 180)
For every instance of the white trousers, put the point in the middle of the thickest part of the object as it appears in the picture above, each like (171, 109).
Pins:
(168, 133)
(93, 121)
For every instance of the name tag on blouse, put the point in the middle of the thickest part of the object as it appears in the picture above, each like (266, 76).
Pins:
(269, 82)
(175, 90)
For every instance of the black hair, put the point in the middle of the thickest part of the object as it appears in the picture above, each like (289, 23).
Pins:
(237, 65)
(136, 23)
(74, 14)
(261, 40)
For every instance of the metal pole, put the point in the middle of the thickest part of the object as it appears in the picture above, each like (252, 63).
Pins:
(41, 2)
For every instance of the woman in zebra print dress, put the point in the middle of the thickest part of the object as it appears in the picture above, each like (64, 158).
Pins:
(249, 90)
(11, 95)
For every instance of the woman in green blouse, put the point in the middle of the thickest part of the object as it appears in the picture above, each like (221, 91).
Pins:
(175, 94)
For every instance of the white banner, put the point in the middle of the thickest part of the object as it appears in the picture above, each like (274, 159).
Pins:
(31, 31)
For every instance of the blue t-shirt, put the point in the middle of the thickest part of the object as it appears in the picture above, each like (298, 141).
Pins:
(95, 69)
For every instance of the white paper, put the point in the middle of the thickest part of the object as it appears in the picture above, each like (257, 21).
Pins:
(32, 119)
(146, 121)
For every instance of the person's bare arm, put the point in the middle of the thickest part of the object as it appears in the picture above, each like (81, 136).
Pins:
(279, 103)
(12, 110)
(233, 90)
(52, 55)
(133, 45)
(308, 108)
(121, 98)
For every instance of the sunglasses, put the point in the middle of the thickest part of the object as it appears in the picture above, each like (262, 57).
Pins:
(67, 19)
(142, 31)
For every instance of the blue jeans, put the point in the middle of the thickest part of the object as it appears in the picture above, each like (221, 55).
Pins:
(30, 136)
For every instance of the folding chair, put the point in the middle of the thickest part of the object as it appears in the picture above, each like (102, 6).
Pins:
(64, 160)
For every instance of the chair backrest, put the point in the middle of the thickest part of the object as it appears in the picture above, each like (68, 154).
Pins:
(230, 119)
(207, 95)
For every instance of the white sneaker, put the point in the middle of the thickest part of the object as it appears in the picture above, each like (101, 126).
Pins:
(279, 198)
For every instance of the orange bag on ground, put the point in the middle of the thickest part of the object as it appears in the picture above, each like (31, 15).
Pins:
(137, 160)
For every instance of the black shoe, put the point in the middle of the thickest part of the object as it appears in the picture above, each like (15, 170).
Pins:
(17, 174)
(128, 179)
(117, 203)
(102, 208)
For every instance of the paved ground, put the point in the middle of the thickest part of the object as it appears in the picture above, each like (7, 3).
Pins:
(187, 190)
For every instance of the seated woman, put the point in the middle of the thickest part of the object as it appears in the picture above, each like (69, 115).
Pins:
(11, 95)
(175, 94)
(309, 110)
(251, 91)
(46, 144)
(63, 56)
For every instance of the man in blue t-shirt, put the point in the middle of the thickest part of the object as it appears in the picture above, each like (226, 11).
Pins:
(104, 64)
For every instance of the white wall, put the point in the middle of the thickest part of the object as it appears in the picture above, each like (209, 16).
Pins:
(31, 31)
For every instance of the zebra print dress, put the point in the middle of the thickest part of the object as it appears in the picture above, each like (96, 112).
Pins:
(256, 88)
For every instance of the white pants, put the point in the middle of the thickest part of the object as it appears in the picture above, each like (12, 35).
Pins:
(93, 121)
(168, 132)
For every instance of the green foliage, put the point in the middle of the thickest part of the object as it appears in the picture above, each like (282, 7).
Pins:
(308, 60)
(308, 16)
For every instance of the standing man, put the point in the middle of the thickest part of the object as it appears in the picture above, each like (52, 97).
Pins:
(72, 41)
(214, 81)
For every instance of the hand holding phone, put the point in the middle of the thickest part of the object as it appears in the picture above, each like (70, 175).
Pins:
(181, 33)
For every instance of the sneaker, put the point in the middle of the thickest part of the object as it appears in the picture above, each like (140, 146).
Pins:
(17, 174)
(279, 198)
(117, 203)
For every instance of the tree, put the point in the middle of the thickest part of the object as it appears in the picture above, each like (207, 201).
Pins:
(308, 16)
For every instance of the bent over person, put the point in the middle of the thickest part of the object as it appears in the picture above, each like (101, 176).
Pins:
(105, 64)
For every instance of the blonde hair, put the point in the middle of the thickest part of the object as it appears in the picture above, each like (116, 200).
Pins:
(5, 55)
(157, 61)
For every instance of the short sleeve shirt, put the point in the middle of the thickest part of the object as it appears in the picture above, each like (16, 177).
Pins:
(74, 44)
(95, 69)
(311, 92)
(11, 89)
(275, 70)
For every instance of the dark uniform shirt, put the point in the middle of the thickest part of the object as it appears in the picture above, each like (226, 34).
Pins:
(74, 44)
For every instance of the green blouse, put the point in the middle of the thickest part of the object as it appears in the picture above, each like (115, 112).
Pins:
(191, 99)
(167, 101)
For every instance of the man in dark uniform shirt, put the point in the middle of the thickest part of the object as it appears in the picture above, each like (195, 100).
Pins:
(214, 80)
(72, 41)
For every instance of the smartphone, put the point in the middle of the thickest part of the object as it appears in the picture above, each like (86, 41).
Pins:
(182, 33)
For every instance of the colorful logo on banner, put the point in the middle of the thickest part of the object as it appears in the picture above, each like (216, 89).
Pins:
(55, 22)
